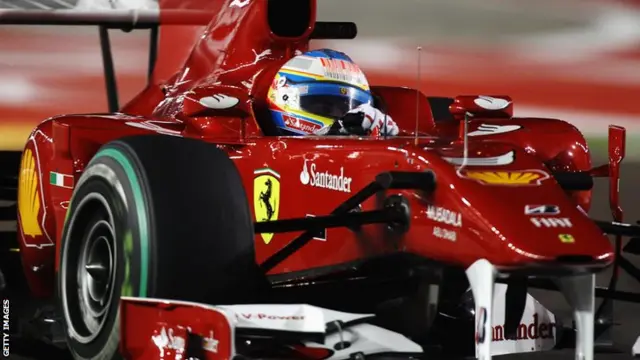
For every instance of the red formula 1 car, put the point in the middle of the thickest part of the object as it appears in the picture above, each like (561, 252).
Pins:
(181, 226)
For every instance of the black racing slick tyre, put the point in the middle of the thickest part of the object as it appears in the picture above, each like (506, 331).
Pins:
(158, 217)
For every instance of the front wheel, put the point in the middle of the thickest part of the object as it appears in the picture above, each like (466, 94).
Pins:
(158, 217)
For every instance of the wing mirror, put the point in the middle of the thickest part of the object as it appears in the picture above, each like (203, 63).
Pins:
(496, 106)
(215, 111)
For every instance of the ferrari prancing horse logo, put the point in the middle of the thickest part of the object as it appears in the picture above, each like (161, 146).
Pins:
(266, 197)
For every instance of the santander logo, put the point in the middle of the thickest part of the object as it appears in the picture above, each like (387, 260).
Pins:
(305, 126)
(532, 330)
(304, 175)
(309, 176)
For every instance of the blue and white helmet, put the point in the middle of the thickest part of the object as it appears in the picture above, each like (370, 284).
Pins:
(314, 89)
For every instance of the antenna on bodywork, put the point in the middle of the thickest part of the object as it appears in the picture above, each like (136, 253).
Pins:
(465, 138)
(418, 96)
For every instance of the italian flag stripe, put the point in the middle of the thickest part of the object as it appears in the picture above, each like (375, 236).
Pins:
(61, 180)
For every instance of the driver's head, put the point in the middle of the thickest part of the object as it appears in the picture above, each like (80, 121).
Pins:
(314, 89)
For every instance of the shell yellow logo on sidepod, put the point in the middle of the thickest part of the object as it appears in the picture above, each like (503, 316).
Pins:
(509, 178)
(28, 196)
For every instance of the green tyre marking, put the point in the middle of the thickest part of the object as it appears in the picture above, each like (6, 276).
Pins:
(143, 222)
(66, 216)
(127, 289)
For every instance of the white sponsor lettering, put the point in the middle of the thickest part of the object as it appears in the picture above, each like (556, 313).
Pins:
(261, 316)
(551, 222)
(325, 179)
(491, 103)
(210, 343)
(504, 159)
(444, 234)
(541, 210)
(219, 101)
(293, 317)
(167, 341)
(147, 125)
(240, 3)
(6, 344)
(444, 216)
(490, 129)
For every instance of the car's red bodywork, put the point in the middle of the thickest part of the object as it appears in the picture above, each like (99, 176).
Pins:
(144, 320)
(238, 56)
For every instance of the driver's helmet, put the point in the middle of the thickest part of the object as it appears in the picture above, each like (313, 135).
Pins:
(314, 89)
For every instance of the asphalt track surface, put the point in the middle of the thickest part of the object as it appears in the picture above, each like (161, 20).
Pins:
(468, 24)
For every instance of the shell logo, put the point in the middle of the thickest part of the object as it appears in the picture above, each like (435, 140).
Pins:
(28, 196)
(506, 178)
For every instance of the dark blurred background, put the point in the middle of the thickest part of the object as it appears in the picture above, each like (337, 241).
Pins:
(577, 60)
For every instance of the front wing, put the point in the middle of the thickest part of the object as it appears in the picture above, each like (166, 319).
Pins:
(164, 329)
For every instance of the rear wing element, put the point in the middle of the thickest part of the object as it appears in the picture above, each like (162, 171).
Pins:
(130, 19)
(152, 329)
(111, 19)
(105, 19)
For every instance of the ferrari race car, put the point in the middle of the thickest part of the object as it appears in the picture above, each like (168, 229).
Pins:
(181, 225)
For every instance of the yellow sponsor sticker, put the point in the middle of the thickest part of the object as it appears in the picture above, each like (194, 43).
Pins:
(566, 238)
(29, 196)
(506, 178)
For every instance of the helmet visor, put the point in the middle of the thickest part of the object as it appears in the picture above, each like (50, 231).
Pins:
(332, 100)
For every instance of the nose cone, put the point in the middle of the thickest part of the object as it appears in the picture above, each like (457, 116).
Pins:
(541, 226)
(515, 214)
(569, 240)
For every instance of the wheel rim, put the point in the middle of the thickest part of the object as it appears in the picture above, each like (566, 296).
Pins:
(89, 272)
(96, 268)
